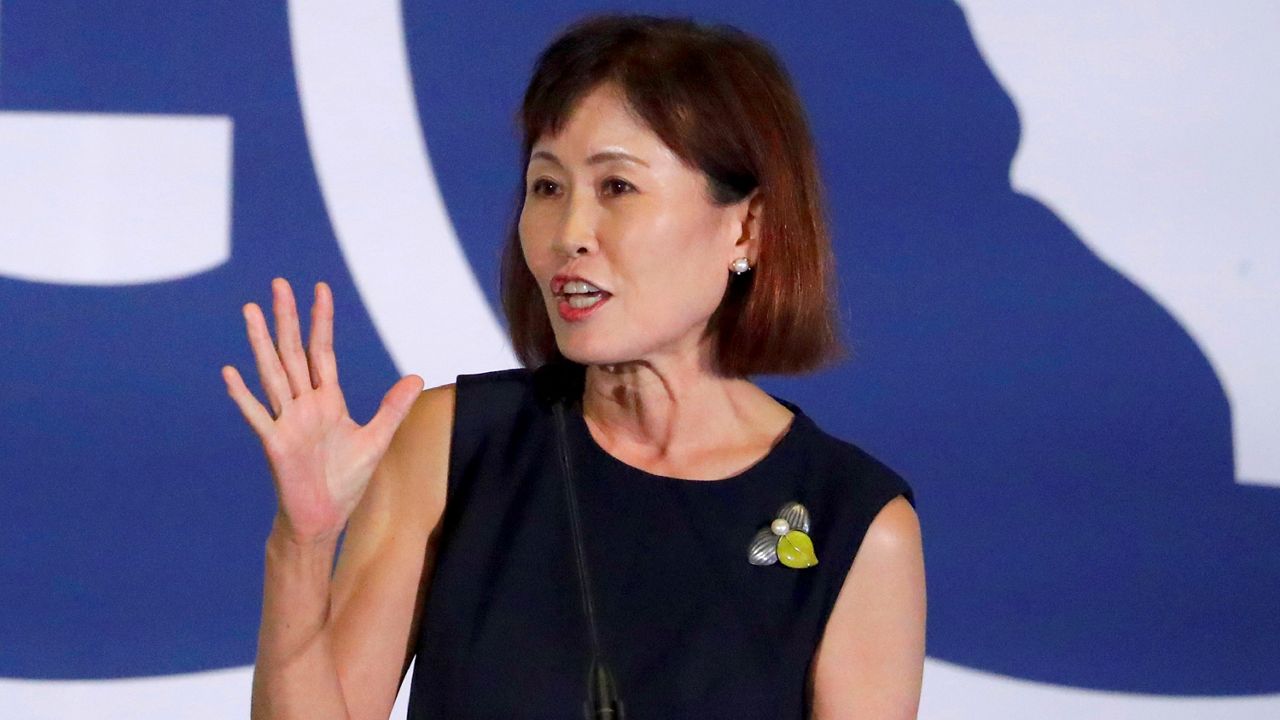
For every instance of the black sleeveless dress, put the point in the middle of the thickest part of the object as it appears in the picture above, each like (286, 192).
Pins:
(690, 628)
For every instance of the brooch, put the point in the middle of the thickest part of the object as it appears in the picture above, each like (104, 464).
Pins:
(785, 539)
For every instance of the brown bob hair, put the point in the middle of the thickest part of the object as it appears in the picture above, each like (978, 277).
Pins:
(722, 102)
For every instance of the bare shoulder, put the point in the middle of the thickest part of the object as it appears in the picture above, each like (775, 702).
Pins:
(409, 483)
(421, 446)
(894, 534)
(871, 656)
(423, 438)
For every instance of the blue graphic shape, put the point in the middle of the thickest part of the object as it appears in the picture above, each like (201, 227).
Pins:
(134, 499)
(1069, 443)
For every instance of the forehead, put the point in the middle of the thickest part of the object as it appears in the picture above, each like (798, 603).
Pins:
(599, 121)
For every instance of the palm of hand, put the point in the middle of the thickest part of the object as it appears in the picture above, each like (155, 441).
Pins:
(321, 460)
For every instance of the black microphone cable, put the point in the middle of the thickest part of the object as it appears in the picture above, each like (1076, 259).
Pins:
(602, 693)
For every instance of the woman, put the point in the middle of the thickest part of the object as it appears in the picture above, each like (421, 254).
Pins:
(669, 244)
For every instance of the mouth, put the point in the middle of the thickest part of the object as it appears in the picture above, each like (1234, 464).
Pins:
(563, 284)
(577, 297)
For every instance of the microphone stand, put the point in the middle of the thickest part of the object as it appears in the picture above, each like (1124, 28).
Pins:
(602, 693)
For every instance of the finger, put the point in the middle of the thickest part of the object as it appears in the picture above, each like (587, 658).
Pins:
(254, 413)
(270, 372)
(324, 365)
(289, 337)
(393, 410)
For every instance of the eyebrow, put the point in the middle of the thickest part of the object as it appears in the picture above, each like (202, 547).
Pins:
(600, 157)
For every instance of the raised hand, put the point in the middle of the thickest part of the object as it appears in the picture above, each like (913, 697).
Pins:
(320, 458)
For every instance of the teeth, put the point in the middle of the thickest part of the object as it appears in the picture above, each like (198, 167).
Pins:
(583, 301)
(579, 286)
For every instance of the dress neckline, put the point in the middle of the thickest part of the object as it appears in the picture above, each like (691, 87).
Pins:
(759, 468)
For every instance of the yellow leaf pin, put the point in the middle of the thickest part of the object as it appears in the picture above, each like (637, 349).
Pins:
(786, 539)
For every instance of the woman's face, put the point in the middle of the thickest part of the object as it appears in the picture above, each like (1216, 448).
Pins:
(608, 202)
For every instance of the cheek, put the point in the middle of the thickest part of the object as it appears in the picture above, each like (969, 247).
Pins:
(690, 252)
(681, 276)
(704, 287)
(532, 243)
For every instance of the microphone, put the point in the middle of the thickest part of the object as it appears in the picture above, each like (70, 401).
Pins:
(602, 701)
(602, 695)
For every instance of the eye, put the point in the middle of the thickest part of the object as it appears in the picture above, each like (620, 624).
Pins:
(544, 187)
(616, 186)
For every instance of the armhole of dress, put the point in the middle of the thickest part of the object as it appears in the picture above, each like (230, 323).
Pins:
(454, 464)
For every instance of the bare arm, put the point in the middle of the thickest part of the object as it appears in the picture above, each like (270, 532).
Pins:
(340, 647)
(295, 674)
(870, 662)
(384, 572)
(334, 644)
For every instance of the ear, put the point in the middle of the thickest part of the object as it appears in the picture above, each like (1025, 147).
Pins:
(748, 224)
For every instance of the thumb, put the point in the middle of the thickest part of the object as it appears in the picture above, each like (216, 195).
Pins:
(395, 407)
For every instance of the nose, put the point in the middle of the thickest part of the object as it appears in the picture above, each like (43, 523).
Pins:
(577, 234)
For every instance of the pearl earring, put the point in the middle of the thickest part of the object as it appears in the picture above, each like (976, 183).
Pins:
(740, 266)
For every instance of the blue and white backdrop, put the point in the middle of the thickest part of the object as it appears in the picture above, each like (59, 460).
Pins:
(1056, 226)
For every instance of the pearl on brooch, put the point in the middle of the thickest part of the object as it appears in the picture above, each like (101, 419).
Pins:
(780, 527)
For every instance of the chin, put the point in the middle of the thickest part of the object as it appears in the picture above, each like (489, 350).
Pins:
(601, 347)
(587, 353)
(593, 358)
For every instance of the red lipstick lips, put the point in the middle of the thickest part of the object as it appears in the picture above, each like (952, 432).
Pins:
(588, 302)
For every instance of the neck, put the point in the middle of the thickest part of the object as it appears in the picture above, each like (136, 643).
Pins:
(676, 411)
